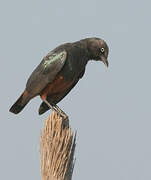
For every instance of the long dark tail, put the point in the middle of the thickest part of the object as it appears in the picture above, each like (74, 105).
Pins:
(20, 103)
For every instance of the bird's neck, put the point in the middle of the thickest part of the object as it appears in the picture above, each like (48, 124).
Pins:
(84, 46)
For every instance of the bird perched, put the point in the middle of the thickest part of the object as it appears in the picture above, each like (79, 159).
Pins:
(59, 71)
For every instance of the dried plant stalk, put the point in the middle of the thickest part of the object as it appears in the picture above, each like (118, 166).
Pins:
(57, 149)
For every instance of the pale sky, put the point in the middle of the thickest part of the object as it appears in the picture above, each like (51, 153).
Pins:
(109, 108)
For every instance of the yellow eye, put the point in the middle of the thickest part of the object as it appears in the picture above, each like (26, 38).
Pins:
(102, 50)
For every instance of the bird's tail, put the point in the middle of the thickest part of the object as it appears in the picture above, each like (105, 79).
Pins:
(20, 103)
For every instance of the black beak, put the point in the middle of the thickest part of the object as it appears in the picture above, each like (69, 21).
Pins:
(105, 61)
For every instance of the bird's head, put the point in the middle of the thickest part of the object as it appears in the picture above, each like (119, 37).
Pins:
(98, 50)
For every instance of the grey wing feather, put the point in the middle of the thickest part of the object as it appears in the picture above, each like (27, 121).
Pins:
(46, 72)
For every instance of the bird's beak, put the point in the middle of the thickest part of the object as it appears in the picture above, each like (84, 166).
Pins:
(105, 61)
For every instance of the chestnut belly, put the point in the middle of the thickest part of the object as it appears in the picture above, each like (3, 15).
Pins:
(57, 89)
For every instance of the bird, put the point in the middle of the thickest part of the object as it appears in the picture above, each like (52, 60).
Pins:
(59, 71)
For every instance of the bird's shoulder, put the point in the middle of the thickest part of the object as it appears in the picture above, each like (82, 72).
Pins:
(53, 60)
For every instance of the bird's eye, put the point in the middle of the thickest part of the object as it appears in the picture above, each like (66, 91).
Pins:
(102, 50)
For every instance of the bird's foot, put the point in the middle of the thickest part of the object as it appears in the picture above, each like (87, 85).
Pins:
(60, 112)
(63, 115)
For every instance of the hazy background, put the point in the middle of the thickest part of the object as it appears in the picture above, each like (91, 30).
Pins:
(110, 108)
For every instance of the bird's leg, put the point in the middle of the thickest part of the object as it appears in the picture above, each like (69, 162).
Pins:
(52, 107)
(61, 111)
(63, 115)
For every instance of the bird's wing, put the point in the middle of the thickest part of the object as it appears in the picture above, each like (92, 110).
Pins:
(46, 72)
